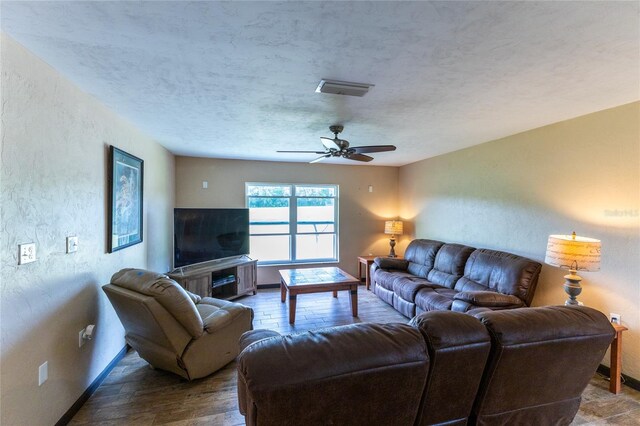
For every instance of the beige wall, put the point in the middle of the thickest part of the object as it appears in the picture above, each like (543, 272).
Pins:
(511, 194)
(54, 184)
(362, 213)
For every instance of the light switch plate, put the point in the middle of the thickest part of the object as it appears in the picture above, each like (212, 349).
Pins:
(72, 244)
(43, 373)
(27, 253)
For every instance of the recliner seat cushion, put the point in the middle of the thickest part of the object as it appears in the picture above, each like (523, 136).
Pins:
(421, 255)
(435, 298)
(166, 291)
(385, 279)
(501, 272)
(408, 286)
(449, 264)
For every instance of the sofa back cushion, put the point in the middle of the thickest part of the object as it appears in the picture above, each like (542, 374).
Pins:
(541, 360)
(501, 272)
(421, 255)
(167, 292)
(458, 347)
(359, 374)
(449, 264)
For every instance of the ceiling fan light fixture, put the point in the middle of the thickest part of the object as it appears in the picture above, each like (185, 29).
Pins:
(335, 87)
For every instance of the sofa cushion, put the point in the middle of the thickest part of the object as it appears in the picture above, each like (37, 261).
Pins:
(421, 255)
(362, 374)
(458, 347)
(540, 362)
(217, 314)
(449, 264)
(167, 292)
(502, 272)
(435, 298)
(408, 287)
(385, 279)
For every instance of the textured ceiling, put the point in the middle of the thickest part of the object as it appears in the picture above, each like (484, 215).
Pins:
(237, 79)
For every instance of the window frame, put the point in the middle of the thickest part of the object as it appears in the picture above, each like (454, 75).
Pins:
(293, 221)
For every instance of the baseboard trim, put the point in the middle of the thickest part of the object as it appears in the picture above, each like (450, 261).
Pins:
(66, 418)
(268, 286)
(627, 380)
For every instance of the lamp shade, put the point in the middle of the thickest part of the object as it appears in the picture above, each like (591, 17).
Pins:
(393, 227)
(573, 252)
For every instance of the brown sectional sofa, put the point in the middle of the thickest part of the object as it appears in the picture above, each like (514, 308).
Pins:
(438, 276)
(518, 366)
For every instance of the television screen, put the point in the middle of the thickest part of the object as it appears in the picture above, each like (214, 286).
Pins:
(207, 234)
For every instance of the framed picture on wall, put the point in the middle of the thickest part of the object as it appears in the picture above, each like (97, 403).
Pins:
(125, 199)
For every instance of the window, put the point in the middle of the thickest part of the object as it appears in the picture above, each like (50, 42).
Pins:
(292, 223)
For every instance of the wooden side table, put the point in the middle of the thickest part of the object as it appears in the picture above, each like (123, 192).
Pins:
(615, 368)
(367, 261)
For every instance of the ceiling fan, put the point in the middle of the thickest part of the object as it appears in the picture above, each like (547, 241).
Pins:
(340, 148)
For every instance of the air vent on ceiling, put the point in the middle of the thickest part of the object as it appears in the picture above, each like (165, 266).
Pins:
(343, 88)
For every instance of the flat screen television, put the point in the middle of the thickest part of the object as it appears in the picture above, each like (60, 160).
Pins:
(201, 235)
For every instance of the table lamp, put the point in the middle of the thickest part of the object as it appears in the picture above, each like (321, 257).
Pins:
(393, 228)
(575, 254)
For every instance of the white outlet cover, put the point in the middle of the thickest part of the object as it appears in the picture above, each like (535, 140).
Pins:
(615, 318)
(72, 244)
(43, 373)
(27, 253)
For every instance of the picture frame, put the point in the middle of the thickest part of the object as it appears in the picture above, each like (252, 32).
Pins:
(126, 178)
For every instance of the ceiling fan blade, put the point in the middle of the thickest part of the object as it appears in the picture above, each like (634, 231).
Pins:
(358, 157)
(372, 148)
(330, 143)
(320, 159)
(303, 152)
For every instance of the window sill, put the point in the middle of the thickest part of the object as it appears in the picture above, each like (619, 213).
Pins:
(292, 264)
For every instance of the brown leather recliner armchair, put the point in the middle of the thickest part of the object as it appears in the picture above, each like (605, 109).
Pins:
(173, 329)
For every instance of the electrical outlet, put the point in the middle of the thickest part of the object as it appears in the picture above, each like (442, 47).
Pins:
(81, 340)
(72, 244)
(43, 373)
(27, 253)
(615, 318)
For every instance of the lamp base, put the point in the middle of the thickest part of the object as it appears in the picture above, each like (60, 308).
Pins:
(392, 243)
(572, 288)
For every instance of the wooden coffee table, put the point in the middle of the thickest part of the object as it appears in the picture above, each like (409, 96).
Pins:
(316, 280)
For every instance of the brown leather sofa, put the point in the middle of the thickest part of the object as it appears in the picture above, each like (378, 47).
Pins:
(173, 329)
(520, 366)
(438, 276)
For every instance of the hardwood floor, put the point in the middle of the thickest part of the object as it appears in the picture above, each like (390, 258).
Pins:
(134, 394)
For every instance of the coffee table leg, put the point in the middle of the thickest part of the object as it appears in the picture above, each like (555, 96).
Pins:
(292, 308)
(354, 301)
(283, 292)
(335, 293)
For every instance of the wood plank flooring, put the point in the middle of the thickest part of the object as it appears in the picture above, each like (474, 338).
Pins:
(134, 394)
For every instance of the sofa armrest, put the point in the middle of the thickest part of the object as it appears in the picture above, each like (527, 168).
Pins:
(391, 263)
(253, 336)
(247, 339)
(489, 299)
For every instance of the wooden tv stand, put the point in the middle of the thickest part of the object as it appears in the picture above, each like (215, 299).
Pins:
(222, 279)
